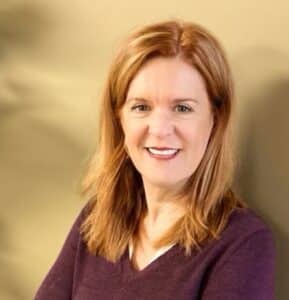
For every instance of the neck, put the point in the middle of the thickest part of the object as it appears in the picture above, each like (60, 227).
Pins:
(163, 210)
(162, 203)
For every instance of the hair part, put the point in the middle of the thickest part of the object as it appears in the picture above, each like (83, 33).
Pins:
(114, 186)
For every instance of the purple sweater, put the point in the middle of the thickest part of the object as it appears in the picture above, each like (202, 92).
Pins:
(239, 266)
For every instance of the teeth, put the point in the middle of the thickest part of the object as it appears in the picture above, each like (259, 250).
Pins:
(163, 152)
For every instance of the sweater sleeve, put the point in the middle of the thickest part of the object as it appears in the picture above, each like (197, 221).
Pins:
(58, 282)
(247, 273)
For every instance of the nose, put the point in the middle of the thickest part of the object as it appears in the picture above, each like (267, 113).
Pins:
(161, 124)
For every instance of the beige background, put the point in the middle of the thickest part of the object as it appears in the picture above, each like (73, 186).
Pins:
(54, 56)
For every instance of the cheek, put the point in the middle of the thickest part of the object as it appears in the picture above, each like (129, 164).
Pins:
(133, 136)
(198, 139)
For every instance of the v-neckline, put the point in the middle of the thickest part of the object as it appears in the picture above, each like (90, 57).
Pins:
(131, 273)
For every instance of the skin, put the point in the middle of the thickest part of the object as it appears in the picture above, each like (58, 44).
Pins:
(158, 121)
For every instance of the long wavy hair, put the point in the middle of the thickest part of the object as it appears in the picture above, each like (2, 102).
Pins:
(112, 183)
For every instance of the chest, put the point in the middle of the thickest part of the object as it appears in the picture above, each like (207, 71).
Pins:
(141, 257)
(169, 276)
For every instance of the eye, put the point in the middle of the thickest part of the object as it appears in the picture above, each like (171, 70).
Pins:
(140, 107)
(183, 108)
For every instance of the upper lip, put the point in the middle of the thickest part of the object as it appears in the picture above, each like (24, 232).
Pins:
(164, 148)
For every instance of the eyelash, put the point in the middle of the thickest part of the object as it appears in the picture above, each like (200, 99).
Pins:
(188, 108)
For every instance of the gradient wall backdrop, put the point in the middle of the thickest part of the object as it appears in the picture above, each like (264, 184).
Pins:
(54, 55)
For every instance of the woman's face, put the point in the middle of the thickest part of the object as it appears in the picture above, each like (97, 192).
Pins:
(167, 121)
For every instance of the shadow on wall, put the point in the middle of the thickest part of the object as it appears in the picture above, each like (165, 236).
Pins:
(30, 148)
(264, 169)
(23, 100)
(21, 23)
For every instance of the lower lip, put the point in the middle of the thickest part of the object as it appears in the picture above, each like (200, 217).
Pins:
(163, 157)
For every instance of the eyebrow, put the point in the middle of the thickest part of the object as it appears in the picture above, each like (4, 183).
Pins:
(176, 100)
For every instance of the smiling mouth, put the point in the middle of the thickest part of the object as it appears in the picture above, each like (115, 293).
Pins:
(163, 153)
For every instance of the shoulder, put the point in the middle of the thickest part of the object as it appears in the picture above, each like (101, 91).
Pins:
(241, 262)
(245, 229)
(84, 211)
(75, 230)
(245, 221)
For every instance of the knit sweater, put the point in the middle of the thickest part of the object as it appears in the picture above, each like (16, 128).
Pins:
(238, 266)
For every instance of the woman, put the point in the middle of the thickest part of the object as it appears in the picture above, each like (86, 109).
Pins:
(163, 221)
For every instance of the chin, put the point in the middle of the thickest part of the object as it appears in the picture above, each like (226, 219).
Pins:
(166, 182)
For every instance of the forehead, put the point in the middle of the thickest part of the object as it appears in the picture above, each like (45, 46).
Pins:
(163, 77)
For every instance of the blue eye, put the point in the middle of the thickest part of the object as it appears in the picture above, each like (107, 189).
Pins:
(183, 108)
(139, 107)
